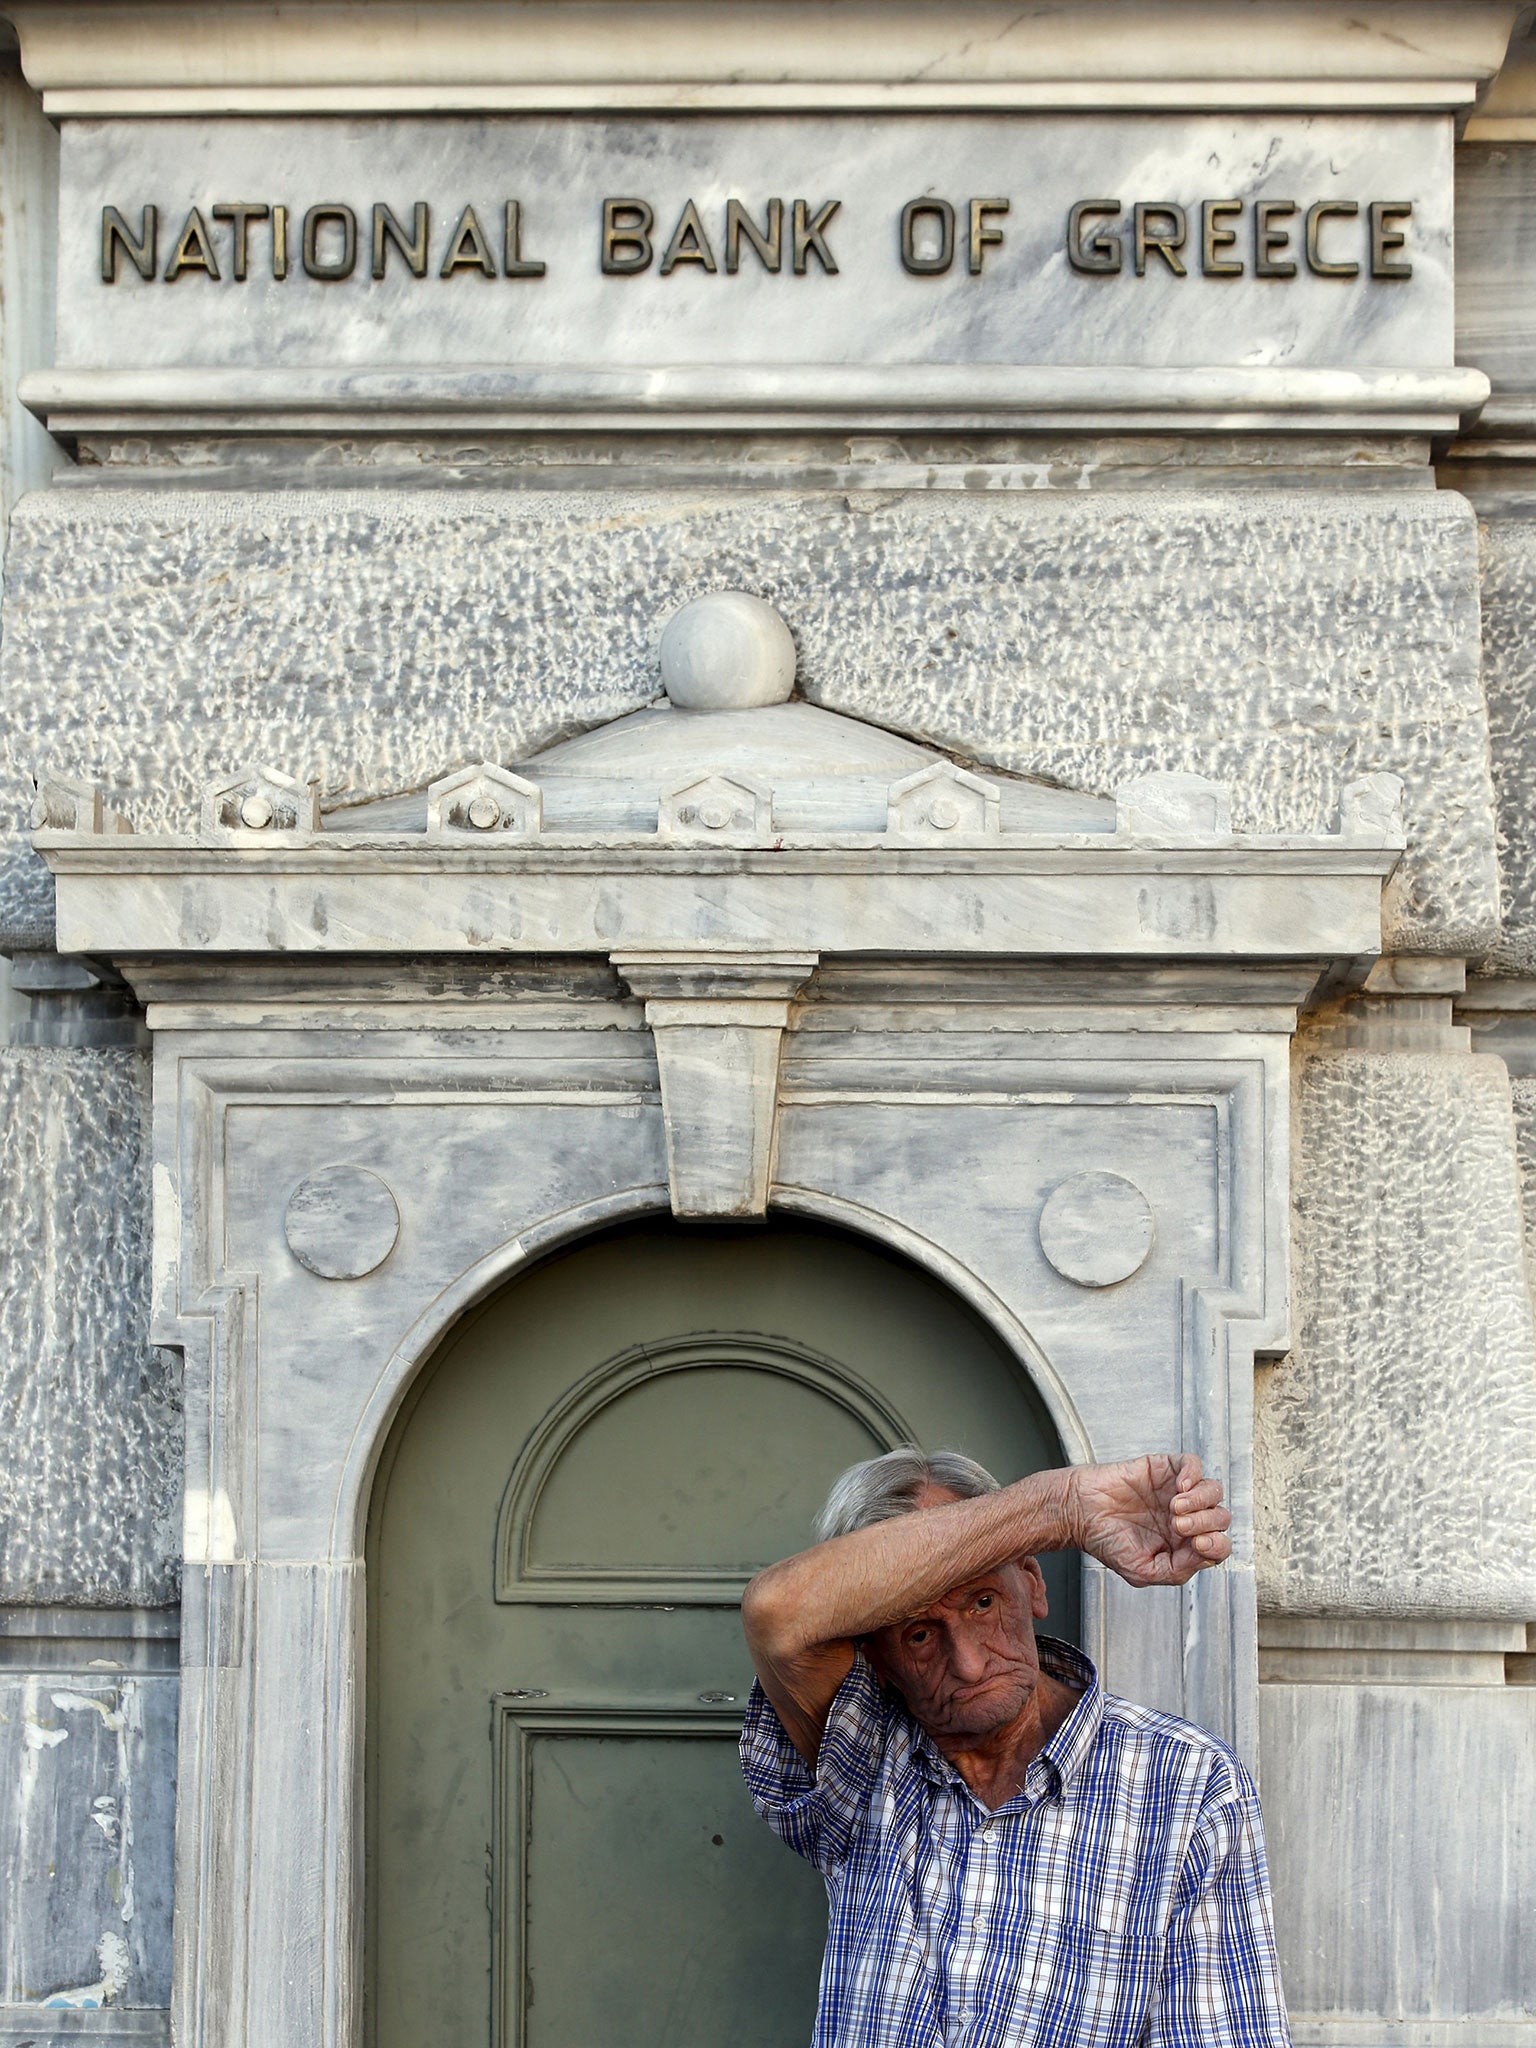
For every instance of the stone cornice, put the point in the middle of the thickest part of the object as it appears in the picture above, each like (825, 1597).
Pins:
(1508, 113)
(317, 56)
(1080, 895)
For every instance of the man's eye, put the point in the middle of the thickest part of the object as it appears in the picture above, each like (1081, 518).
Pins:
(918, 1638)
(984, 1600)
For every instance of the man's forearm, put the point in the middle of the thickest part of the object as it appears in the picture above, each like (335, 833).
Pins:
(852, 1585)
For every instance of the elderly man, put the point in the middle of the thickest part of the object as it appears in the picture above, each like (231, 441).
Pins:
(1014, 1858)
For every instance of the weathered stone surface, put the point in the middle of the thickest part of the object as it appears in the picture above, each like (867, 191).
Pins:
(1358, 1781)
(1509, 682)
(90, 1479)
(1284, 644)
(87, 1802)
(1395, 1450)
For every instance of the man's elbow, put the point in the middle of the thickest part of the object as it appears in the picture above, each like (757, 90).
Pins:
(768, 1615)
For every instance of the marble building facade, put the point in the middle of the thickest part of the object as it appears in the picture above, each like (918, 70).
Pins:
(555, 707)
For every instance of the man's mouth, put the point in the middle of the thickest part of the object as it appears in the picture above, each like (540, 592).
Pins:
(962, 1693)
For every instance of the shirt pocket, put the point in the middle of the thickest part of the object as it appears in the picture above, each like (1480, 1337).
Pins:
(1090, 1987)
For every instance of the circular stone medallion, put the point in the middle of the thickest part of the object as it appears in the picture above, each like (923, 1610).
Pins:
(341, 1222)
(1096, 1228)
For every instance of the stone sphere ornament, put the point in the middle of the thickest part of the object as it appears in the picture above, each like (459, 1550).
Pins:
(727, 652)
(342, 1222)
(1096, 1229)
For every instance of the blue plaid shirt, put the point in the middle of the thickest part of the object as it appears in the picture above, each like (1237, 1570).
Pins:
(1120, 1897)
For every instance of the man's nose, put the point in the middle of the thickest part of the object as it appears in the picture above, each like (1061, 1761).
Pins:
(969, 1656)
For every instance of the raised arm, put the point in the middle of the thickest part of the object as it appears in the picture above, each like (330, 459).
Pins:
(1154, 1520)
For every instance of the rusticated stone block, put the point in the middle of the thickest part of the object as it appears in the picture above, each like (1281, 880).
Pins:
(1509, 680)
(1396, 1448)
(1284, 643)
(90, 1476)
(1524, 1094)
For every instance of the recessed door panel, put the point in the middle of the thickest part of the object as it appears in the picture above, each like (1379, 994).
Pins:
(626, 1805)
(562, 1524)
(669, 1437)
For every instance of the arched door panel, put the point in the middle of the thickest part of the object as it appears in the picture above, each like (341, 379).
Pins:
(561, 1854)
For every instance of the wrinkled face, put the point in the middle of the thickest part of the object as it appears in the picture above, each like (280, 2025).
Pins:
(967, 1665)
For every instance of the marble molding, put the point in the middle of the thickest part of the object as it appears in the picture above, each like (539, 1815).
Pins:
(545, 1090)
(147, 58)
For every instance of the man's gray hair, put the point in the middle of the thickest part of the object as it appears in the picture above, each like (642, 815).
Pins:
(880, 1489)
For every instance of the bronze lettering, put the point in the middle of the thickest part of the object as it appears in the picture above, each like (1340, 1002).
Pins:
(513, 262)
(467, 248)
(330, 270)
(279, 242)
(388, 227)
(1100, 252)
(809, 235)
(240, 214)
(1272, 255)
(116, 236)
(1166, 240)
(1215, 238)
(689, 244)
(983, 237)
(1385, 238)
(769, 244)
(1328, 209)
(912, 258)
(627, 225)
(193, 250)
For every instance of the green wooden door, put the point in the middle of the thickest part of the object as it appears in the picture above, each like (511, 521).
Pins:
(561, 1853)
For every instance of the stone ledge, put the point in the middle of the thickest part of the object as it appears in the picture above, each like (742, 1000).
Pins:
(1332, 1650)
(30, 2026)
(158, 58)
(755, 397)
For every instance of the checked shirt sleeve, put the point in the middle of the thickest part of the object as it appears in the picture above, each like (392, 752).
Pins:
(1221, 1977)
(818, 1814)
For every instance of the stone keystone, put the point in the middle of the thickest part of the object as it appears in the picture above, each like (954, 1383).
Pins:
(485, 799)
(262, 800)
(942, 802)
(1173, 807)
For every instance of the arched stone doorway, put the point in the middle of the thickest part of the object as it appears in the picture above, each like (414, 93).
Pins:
(1047, 1057)
(560, 1851)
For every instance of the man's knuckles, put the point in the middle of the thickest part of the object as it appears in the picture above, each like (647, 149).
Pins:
(1204, 1523)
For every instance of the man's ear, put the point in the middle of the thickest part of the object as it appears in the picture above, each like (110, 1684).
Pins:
(1034, 1578)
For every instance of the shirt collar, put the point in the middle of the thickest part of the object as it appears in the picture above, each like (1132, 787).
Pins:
(1072, 1744)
